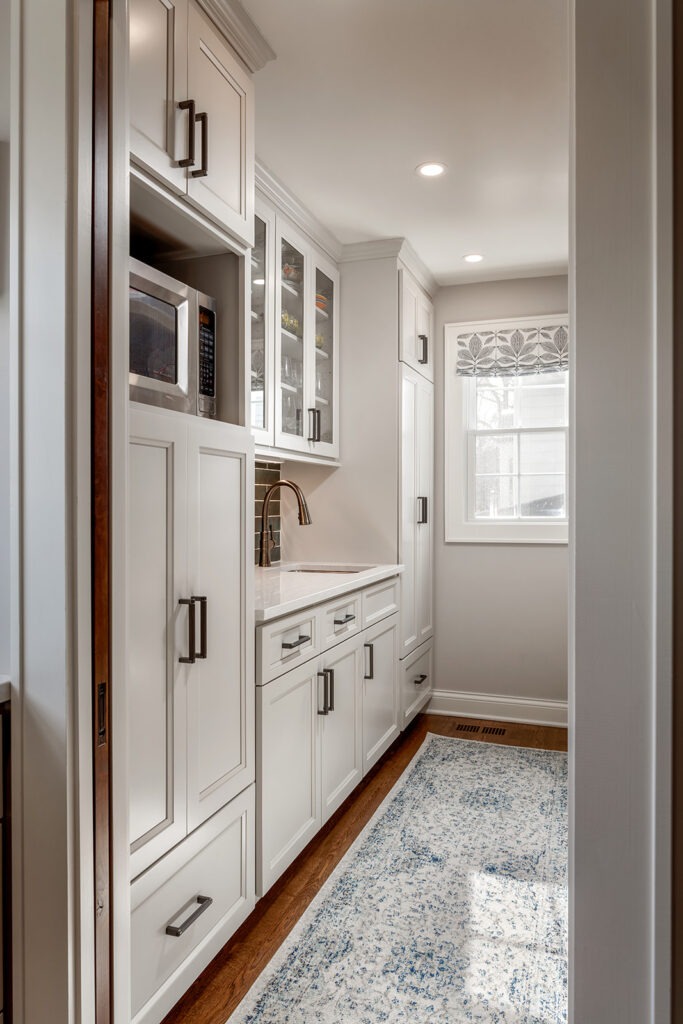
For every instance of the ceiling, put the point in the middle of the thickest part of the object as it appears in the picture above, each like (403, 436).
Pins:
(363, 91)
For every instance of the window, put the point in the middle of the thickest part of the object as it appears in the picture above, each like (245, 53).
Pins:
(506, 420)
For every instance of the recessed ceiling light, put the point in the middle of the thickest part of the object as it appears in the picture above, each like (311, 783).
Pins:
(431, 170)
(473, 257)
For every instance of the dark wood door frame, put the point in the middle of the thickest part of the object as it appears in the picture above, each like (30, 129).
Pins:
(101, 507)
(677, 823)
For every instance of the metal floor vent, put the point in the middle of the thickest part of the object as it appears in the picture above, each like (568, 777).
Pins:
(492, 731)
(468, 728)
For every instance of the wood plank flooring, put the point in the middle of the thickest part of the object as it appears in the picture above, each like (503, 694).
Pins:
(227, 979)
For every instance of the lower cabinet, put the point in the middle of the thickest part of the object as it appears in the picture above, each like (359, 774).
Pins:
(416, 682)
(380, 690)
(322, 724)
(187, 905)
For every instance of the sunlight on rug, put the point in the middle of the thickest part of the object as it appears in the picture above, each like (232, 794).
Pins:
(451, 906)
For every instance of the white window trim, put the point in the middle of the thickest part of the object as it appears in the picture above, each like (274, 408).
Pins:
(458, 528)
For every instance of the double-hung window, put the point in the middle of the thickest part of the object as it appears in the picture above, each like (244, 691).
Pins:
(506, 422)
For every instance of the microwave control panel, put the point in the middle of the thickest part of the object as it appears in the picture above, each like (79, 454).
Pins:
(207, 362)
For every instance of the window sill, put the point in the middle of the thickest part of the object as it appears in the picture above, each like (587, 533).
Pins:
(508, 533)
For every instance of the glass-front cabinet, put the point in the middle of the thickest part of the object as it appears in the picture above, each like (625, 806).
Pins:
(295, 323)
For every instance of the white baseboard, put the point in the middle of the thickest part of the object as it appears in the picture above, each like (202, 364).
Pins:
(498, 708)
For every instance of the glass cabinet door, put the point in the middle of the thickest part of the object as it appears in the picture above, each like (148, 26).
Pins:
(292, 369)
(325, 357)
(260, 411)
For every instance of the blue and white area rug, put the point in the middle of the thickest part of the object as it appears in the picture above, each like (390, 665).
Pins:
(451, 906)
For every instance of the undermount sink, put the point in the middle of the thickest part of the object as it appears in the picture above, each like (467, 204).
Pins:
(332, 570)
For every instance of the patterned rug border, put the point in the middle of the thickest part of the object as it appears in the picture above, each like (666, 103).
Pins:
(281, 953)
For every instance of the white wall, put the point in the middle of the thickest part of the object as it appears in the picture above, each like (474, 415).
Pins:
(500, 610)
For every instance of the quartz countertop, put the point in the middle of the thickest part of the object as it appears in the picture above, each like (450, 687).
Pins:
(279, 590)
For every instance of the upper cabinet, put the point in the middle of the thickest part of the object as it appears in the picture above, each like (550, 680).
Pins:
(416, 326)
(192, 111)
(294, 341)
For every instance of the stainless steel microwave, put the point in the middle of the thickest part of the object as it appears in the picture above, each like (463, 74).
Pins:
(172, 343)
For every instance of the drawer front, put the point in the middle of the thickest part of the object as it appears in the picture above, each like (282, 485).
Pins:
(417, 682)
(286, 643)
(380, 601)
(340, 619)
(215, 862)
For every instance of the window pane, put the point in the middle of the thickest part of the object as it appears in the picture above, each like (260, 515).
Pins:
(496, 454)
(495, 403)
(541, 407)
(495, 497)
(543, 497)
(542, 452)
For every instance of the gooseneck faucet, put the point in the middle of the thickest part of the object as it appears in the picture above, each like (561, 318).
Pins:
(265, 539)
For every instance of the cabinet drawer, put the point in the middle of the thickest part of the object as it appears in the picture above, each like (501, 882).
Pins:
(340, 619)
(416, 681)
(216, 861)
(380, 601)
(286, 643)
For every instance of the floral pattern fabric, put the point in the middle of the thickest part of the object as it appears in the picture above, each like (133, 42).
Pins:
(513, 352)
(450, 907)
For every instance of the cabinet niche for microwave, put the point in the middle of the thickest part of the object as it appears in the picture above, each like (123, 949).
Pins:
(218, 278)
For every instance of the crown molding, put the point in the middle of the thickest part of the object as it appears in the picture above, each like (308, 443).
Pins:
(243, 35)
(274, 190)
(392, 248)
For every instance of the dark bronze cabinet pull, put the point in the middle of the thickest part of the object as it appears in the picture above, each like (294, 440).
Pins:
(329, 673)
(326, 693)
(203, 118)
(189, 159)
(318, 423)
(177, 930)
(191, 631)
(291, 644)
(425, 348)
(201, 601)
(420, 680)
(347, 618)
(423, 511)
(371, 648)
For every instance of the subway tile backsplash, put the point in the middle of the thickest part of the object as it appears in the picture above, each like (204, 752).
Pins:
(267, 473)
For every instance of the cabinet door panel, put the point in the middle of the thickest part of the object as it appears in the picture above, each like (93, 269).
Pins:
(220, 686)
(323, 343)
(158, 81)
(424, 554)
(223, 90)
(293, 410)
(380, 690)
(416, 344)
(289, 806)
(409, 514)
(157, 635)
(341, 762)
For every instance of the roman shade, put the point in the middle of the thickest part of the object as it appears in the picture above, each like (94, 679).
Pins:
(514, 351)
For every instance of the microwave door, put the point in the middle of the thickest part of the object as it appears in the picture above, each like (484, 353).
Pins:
(162, 371)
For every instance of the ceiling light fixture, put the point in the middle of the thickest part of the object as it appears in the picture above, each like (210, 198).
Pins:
(431, 170)
(473, 257)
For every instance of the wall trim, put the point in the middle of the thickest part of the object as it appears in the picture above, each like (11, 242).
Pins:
(277, 192)
(499, 708)
(392, 248)
(243, 35)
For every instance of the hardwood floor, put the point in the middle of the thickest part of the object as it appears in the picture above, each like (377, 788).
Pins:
(227, 979)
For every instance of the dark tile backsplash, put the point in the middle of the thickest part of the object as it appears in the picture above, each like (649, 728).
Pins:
(266, 474)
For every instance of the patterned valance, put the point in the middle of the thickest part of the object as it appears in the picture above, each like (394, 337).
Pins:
(514, 351)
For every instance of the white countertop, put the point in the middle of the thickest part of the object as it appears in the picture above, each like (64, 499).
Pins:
(278, 591)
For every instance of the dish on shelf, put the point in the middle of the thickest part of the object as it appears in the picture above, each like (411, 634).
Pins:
(290, 273)
(321, 302)
(319, 340)
(290, 323)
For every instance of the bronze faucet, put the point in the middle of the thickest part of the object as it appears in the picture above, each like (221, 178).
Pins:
(266, 541)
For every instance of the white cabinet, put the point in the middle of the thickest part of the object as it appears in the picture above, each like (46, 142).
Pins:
(416, 326)
(323, 723)
(294, 341)
(190, 620)
(380, 690)
(416, 682)
(192, 117)
(416, 538)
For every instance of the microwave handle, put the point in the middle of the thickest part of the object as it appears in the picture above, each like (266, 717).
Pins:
(189, 105)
